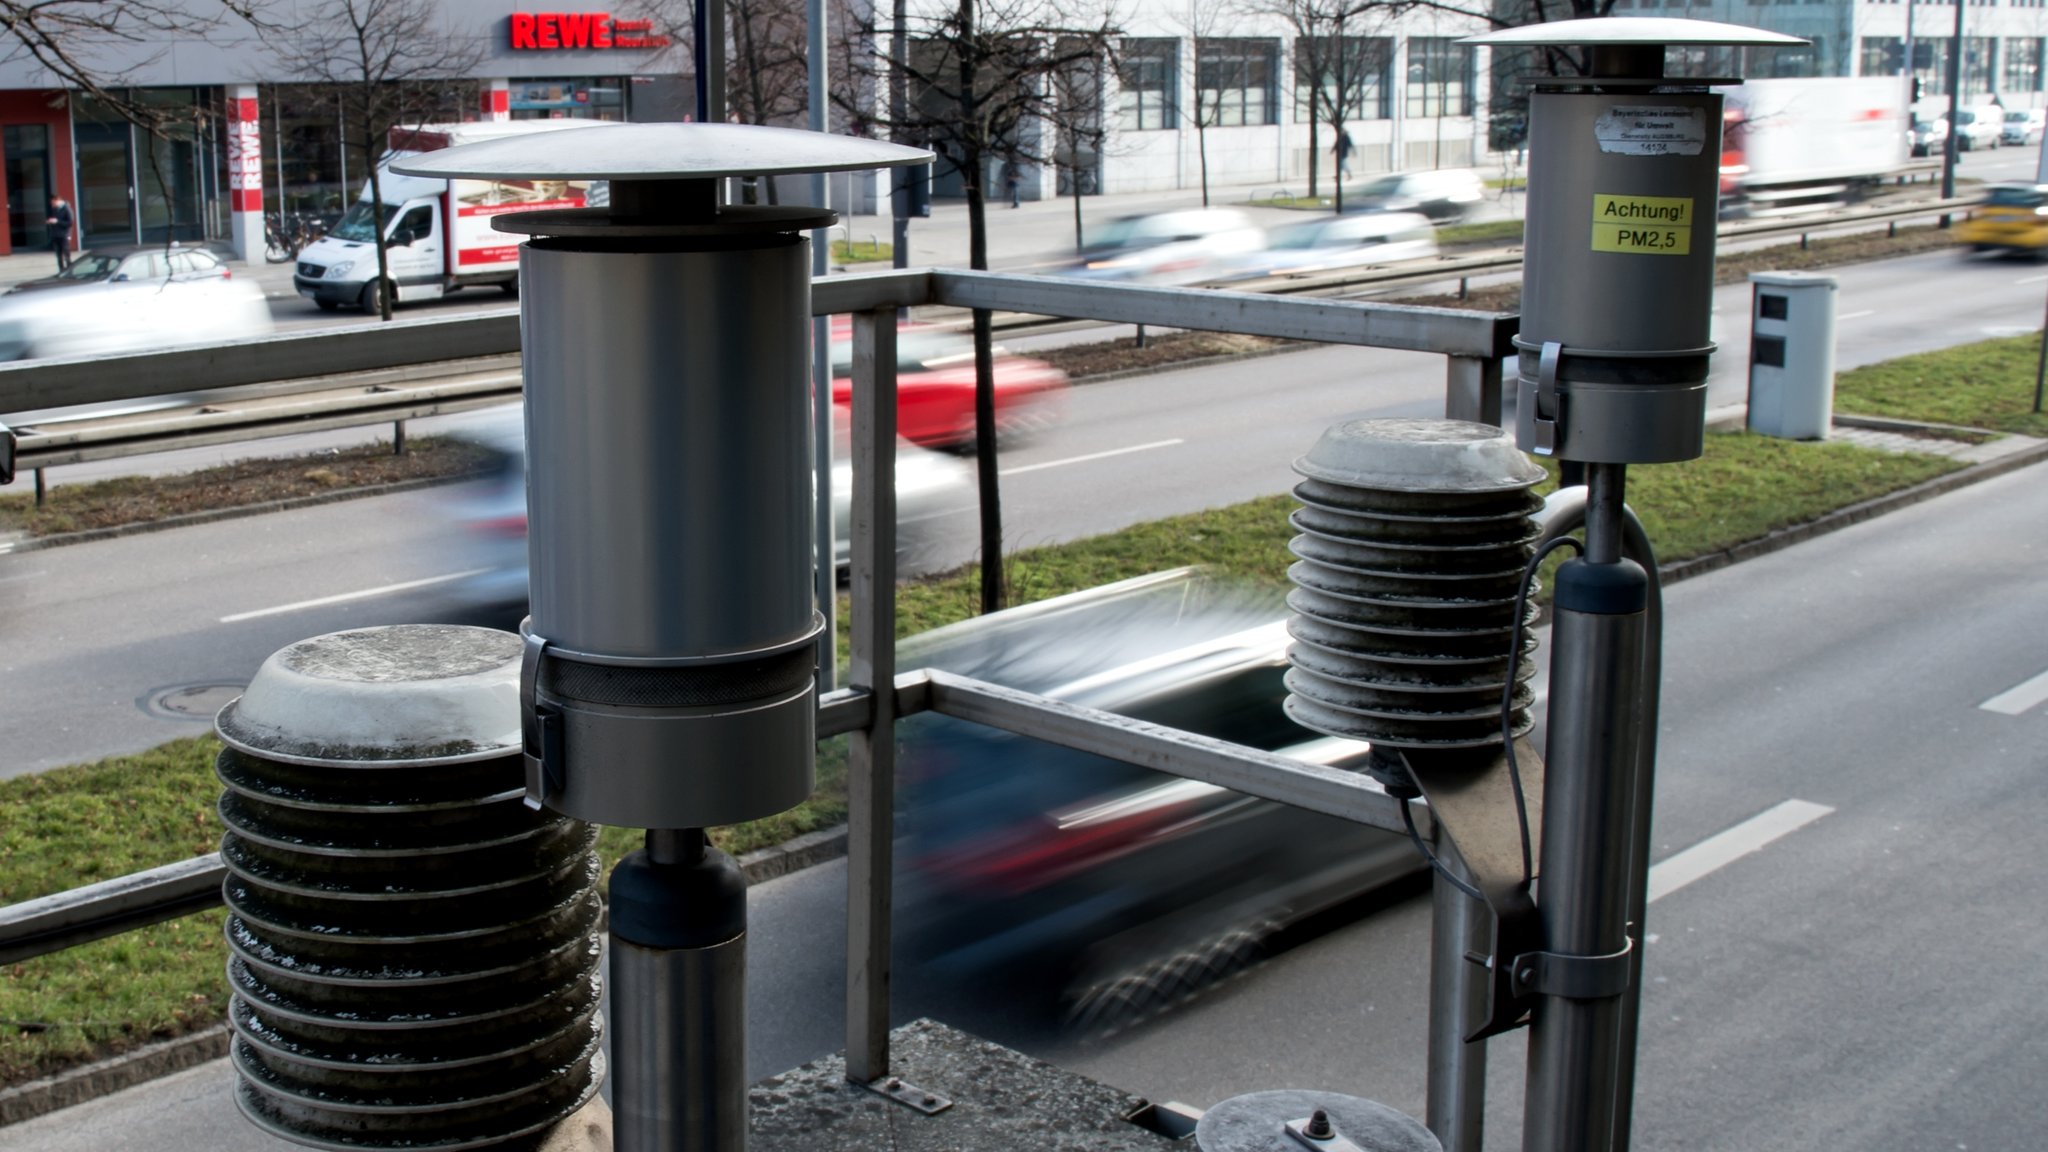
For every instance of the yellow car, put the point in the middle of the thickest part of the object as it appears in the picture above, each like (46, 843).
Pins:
(2013, 218)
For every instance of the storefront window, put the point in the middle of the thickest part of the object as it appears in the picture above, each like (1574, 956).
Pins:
(1353, 71)
(1440, 77)
(601, 98)
(27, 151)
(1148, 77)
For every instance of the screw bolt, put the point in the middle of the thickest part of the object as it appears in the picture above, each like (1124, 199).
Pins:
(894, 1085)
(1319, 1125)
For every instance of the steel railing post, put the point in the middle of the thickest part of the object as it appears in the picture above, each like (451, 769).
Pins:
(871, 751)
(1472, 389)
(1459, 926)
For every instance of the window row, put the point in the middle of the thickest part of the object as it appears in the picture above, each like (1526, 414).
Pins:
(1990, 65)
(1336, 78)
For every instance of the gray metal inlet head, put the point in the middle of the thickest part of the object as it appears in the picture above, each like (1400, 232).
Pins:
(1413, 537)
(661, 152)
(1414, 455)
(1632, 31)
(411, 693)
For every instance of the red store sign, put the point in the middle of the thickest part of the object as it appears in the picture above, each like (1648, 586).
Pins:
(557, 31)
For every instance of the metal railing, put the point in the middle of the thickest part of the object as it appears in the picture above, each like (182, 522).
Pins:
(877, 695)
(392, 373)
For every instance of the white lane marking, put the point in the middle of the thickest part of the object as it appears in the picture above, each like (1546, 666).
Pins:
(1725, 848)
(2030, 279)
(344, 597)
(1857, 315)
(1091, 456)
(2019, 697)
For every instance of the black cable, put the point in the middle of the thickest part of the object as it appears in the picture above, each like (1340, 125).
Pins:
(1507, 694)
(1422, 846)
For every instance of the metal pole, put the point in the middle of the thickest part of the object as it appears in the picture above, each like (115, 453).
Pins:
(821, 370)
(1459, 925)
(899, 179)
(1575, 1055)
(871, 751)
(1955, 108)
(2041, 365)
(1472, 389)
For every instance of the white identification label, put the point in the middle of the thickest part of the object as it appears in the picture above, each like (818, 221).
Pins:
(1637, 130)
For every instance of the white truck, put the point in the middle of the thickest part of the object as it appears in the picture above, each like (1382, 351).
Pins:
(1799, 144)
(438, 232)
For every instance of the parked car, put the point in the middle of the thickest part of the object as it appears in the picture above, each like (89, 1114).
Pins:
(1442, 194)
(1119, 883)
(935, 387)
(934, 505)
(131, 301)
(2013, 218)
(2023, 126)
(1929, 137)
(1979, 127)
(1181, 247)
(1346, 241)
(134, 263)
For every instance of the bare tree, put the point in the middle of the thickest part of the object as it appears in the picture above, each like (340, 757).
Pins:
(68, 39)
(981, 79)
(1081, 133)
(1335, 60)
(1220, 69)
(391, 64)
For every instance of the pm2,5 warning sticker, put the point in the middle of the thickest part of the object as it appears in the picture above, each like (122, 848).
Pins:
(1646, 225)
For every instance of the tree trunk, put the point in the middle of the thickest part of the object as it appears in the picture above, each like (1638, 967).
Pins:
(1074, 185)
(1337, 197)
(1202, 151)
(383, 284)
(1315, 149)
(994, 591)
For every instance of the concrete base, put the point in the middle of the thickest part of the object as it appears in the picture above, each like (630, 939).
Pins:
(1003, 1101)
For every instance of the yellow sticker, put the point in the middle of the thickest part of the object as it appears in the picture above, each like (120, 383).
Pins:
(1642, 209)
(1646, 225)
(1642, 238)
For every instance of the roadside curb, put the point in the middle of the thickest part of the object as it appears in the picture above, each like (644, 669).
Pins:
(90, 535)
(152, 1061)
(106, 1077)
(1783, 538)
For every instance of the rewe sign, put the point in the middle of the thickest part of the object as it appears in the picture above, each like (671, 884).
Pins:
(559, 31)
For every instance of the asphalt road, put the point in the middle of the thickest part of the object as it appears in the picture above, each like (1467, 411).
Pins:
(1863, 981)
(92, 635)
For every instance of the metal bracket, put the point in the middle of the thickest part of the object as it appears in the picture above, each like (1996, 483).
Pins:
(1471, 797)
(904, 1092)
(7, 443)
(1544, 422)
(540, 727)
(1305, 1132)
(1573, 977)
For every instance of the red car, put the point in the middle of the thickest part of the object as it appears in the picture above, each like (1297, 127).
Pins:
(935, 387)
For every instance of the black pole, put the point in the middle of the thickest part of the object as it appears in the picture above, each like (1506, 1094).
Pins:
(1955, 109)
(2040, 367)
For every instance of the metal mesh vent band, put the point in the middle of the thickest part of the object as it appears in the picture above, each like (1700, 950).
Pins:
(738, 682)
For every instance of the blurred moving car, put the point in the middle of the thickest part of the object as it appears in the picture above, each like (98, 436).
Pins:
(133, 263)
(1442, 194)
(1929, 137)
(1122, 884)
(1978, 127)
(1180, 247)
(934, 505)
(131, 300)
(1345, 241)
(2013, 218)
(2023, 126)
(935, 387)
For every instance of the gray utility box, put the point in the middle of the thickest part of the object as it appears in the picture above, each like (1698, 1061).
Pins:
(1791, 354)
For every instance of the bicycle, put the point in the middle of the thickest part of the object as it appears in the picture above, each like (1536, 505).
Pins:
(284, 237)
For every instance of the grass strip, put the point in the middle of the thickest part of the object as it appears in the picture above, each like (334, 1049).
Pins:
(71, 826)
(869, 252)
(1989, 384)
(139, 499)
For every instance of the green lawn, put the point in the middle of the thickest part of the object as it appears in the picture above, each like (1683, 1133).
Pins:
(1989, 384)
(72, 826)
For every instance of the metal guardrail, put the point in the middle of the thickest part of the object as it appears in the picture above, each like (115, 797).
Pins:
(391, 373)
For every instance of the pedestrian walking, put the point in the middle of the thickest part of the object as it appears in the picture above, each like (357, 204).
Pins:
(1014, 183)
(1344, 149)
(59, 222)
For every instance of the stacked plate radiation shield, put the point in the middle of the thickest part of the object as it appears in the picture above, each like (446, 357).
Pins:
(413, 953)
(1413, 538)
